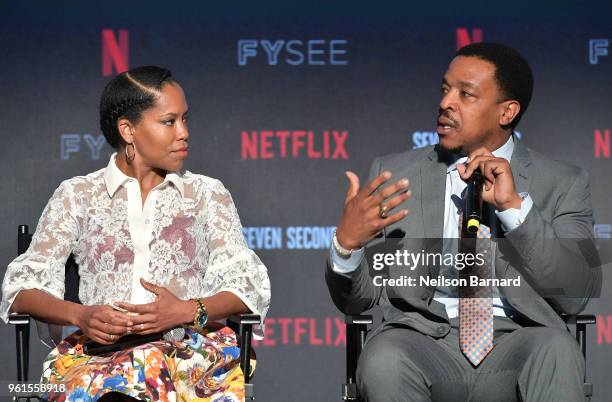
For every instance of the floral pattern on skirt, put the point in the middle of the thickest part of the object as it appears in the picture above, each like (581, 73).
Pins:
(203, 368)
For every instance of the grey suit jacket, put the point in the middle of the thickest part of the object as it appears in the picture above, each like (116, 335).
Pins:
(557, 272)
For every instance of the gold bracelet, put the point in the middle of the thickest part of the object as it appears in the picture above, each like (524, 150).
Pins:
(201, 316)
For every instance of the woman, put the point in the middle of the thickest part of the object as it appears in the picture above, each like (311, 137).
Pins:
(162, 245)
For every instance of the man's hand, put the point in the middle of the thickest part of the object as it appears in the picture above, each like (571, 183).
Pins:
(499, 189)
(166, 312)
(360, 219)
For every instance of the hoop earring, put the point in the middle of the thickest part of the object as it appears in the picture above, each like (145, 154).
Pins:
(129, 158)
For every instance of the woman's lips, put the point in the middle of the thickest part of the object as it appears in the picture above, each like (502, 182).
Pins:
(182, 152)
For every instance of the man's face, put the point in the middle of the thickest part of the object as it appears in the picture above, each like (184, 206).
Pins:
(471, 107)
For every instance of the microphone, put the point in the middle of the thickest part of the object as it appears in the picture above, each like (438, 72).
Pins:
(472, 214)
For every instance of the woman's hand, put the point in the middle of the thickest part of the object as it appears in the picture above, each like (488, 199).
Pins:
(166, 312)
(103, 324)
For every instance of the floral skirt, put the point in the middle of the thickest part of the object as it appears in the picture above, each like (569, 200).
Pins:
(204, 367)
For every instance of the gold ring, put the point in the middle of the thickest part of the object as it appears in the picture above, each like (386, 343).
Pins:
(382, 210)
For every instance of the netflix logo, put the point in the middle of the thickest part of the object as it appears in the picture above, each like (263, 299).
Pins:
(464, 38)
(329, 331)
(601, 142)
(115, 52)
(298, 144)
(604, 329)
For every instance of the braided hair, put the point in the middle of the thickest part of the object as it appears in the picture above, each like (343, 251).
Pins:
(127, 96)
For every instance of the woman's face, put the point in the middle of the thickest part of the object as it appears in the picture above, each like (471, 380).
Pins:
(161, 134)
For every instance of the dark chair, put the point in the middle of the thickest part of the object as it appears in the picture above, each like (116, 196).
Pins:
(242, 324)
(357, 329)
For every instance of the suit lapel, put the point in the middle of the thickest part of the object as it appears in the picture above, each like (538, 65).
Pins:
(519, 163)
(433, 187)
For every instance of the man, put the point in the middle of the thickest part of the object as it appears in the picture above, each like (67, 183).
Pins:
(520, 348)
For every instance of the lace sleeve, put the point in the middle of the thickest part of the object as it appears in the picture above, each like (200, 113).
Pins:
(42, 266)
(232, 266)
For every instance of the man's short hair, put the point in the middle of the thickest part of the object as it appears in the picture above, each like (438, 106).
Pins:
(512, 72)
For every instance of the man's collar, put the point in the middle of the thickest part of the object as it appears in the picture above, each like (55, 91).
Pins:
(505, 151)
(114, 178)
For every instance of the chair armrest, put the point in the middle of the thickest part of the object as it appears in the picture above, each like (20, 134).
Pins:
(242, 324)
(358, 319)
(579, 319)
(239, 321)
(22, 343)
(244, 319)
(19, 318)
(586, 319)
(356, 331)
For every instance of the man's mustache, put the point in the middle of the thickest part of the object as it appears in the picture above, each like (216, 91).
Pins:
(446, 114)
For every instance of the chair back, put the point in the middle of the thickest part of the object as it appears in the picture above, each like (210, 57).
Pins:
(51, 334)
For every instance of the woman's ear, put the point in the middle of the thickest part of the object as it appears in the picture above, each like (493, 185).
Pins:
(126, 130)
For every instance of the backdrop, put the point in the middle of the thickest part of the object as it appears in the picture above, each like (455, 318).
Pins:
(283, 99)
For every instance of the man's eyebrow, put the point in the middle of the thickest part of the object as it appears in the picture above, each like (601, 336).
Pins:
(462, 84)
(468, 84)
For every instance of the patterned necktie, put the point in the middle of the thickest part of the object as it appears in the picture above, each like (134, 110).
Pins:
(476, 304)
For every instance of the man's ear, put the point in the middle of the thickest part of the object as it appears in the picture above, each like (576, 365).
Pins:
(510, 111)
(126, 130)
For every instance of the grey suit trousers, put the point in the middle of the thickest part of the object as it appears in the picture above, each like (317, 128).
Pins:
(533, 364)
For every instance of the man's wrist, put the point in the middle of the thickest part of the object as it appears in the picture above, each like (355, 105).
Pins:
(515, 203)
(346, 243)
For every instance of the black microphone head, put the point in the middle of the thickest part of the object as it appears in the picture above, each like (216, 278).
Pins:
(476, 175)
(472, 214)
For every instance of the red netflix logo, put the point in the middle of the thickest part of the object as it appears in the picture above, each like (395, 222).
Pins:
(330, 331)
(114, 52)
(464, 39)
(294, 144)
(604, 329)
(601, 142)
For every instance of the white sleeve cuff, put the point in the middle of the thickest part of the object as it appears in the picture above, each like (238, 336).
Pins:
(342, 265)
(512, 218)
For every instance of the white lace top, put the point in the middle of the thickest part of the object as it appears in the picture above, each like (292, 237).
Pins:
(186, 237)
